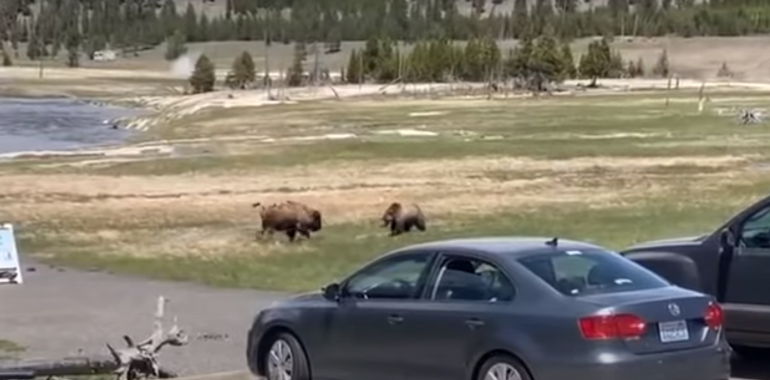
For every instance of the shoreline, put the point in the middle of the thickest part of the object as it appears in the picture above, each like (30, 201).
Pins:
(118, 123)
(160, 108)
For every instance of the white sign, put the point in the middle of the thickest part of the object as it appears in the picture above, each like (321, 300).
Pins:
(10, 268)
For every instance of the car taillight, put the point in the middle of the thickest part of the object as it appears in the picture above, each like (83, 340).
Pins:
(714, 316)
(600, 327)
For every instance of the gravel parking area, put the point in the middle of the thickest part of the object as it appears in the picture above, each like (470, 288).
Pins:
(57, 312)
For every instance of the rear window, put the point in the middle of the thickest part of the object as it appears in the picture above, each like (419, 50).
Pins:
(575, 273)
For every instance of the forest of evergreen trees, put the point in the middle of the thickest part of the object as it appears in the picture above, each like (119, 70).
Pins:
(79, 28)
(89, 25)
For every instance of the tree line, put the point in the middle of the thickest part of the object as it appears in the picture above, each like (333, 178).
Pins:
(534, 65)
(82, 27)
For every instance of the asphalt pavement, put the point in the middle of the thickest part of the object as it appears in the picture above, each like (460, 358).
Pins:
(61, 312)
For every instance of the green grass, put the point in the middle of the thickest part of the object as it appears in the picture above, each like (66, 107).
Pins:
(405, 151)
(203, 231)
(340, 249)
(636, 125)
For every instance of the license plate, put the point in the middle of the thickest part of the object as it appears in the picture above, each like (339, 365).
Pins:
(674, 331)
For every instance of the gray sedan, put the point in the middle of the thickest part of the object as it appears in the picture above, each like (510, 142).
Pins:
(493, 309)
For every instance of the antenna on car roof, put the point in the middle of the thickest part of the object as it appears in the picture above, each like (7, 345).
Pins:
(553, 242)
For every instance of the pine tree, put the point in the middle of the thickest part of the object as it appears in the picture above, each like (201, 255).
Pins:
(175, 46)
(296, 72)
(640, 70)
(169, 18)
(568, 62)
(203, 77)
(72, 43)
(518, 62)
(599, 62)
(250, 74)
(661, 68)
(7, 59)
(242, 71)
(190, 24)
(617, 68)
(724, 71)
(34, 47)
(548, 59)
(631, 69)
(353, 71)
(387, 62)
(73, 57)
(370, 56)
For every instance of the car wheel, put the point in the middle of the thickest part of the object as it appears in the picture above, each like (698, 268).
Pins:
(286, 359)
(751, 353)
(503, 367)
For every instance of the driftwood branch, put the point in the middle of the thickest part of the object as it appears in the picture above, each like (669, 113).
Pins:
(136, 361)
(140, 360)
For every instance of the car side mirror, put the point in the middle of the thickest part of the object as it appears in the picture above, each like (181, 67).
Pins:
(727, 238)
(332, 291)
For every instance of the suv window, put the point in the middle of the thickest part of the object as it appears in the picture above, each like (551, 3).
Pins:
(467, 279)
(583, 272)
(393, 278)
(755, 232)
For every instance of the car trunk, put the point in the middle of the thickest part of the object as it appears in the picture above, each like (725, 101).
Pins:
(664, 331)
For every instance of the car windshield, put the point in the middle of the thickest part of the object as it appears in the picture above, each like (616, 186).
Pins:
(583, 272)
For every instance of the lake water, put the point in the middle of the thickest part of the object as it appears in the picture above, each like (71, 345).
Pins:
(57, 124)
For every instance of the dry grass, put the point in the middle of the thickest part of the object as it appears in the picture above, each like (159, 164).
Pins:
(352, 193)
(585, 167)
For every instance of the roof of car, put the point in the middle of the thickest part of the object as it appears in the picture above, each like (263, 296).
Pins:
(509, 246)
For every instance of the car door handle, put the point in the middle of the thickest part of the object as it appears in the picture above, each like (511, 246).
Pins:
(474, 323)
(395, 319)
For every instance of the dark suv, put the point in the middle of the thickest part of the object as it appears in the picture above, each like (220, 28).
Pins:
(732, 263)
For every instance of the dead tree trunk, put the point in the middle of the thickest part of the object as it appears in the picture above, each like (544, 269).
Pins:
(137, 361)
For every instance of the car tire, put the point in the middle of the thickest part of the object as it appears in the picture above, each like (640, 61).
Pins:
(751, 353)
(506, 366)
(285, 359)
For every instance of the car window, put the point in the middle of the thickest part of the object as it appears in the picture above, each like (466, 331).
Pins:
(755, 232)
(394, 278)
(466, 279)
(576, 273)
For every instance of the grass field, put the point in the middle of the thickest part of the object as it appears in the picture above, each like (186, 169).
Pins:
(609, 169)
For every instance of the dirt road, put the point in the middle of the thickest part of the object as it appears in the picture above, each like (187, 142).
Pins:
(58, 311)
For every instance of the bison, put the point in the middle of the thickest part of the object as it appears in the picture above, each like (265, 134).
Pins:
(289, 217)
(402, 218)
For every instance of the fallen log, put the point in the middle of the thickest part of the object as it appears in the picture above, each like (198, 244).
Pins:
(73, 366)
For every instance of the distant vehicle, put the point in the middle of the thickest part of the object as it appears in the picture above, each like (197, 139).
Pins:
(732, 263)
(105, 55)
(493, 309)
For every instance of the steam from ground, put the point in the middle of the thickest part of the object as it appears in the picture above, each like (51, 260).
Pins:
(183, 66)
